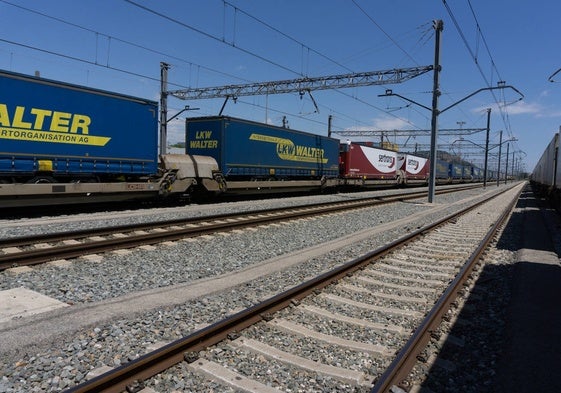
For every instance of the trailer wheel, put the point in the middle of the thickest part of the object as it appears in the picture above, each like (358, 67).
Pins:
(41, 180)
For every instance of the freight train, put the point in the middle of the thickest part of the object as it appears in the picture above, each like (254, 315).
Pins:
(62, 143)
(545, 176)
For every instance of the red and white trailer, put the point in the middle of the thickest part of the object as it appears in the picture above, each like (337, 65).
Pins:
(362, 165)
(416, 169)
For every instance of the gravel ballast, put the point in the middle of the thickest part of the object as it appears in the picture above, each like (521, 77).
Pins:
(45, 366)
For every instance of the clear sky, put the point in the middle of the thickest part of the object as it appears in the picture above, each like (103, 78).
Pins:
(118, 45)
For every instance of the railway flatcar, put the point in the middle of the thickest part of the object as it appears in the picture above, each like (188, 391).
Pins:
(260, 157)
(365, 166)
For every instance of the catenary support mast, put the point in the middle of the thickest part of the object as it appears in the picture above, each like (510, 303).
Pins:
(438, 26)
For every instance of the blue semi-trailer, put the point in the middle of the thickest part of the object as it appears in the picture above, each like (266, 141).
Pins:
(64, 131)
(247, 150)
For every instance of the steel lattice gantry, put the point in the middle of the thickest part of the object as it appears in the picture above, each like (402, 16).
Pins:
(303, 85)
(409, 133)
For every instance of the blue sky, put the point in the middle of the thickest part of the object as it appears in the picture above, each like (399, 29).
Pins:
(118, 45)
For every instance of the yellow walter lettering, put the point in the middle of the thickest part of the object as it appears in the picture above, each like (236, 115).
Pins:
(313, 152)
(37, 118)
(18, 118)
(80, 122)
(212, 144)
(40, 115)
(60, 122)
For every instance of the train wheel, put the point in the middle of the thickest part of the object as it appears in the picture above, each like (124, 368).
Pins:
(41, 179)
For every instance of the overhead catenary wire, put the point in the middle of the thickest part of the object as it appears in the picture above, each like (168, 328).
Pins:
(289, 37)
(383, 31)
(111, 39)
(208, 35)
(213, 37)
(217, 38)
(473, 54)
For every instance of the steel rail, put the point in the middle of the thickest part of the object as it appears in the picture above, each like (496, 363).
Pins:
(133, 373)
(79, 234)
(83, 233)
(401, 366)
(246, 219)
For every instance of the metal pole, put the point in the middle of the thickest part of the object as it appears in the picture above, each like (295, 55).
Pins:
(512, 170)
(486, 147)
(555, 155)
(499, 164)
(506, 164)
(438, 26)
(329, 120)
(163, 107)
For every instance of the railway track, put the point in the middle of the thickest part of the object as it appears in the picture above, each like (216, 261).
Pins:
(32, 250)
(360, 323)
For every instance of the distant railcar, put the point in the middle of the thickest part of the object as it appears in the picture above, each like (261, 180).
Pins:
(456, 172)
(546, 171)
(442, 171)
(545, 175)
(477, 173)
(467, 173)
